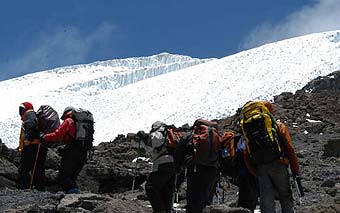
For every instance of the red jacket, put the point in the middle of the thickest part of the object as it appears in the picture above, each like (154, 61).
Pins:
(65, 132)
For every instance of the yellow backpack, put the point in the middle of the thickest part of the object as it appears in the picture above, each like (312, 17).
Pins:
(260, 131)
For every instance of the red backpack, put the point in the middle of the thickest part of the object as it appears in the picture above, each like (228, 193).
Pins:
(206, 143)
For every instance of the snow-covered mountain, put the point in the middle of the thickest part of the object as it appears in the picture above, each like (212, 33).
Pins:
(74, 85)
(209, 90)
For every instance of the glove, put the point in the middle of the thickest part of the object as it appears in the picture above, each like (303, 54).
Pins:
(41, 135)
(141, 135)
(296, 174)
(225, 153)
(27, 136)
(19, 149)
(42, 141)
(60, 151)
(178, 168)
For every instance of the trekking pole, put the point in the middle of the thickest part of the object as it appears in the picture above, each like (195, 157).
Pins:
(298, 188)
(35, 164)
(174, 195)
(134, 176)
(218, 193)
(218, 189)
(135, 172)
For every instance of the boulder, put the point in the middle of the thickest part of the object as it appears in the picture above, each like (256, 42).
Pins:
(332, 148)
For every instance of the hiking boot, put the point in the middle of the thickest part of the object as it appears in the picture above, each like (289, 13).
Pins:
(73, 191)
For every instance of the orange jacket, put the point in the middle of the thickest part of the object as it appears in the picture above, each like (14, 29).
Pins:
(287, 147)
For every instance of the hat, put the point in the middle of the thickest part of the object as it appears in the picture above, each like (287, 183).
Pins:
(26, 105)
(157, 125)
(66, 110)
(23, 107)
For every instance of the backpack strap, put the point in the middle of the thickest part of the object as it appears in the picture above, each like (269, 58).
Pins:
(210, 138)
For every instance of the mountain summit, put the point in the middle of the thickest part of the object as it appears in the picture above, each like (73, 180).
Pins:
(123, 97)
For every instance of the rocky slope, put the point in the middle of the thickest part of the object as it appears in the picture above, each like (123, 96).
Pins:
(312, 115)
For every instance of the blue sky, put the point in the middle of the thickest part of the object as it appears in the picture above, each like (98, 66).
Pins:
(39, 35)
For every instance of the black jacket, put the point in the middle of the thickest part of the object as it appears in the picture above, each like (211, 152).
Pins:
(184, 152)
(30, 126)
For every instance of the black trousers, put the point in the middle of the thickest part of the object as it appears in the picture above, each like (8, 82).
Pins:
(160, 187)
(27, 161)
(247, 191)
(72, 161)
(199, 187)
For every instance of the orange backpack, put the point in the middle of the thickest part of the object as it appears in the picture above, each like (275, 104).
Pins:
(228, 144)
(229, 162)
(206, 143)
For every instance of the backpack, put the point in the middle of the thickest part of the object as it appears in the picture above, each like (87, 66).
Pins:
(228, 144)
(48, 119)
(206, 143)
(84, 124)
(162, 139)
(260, 131)
(231, 154)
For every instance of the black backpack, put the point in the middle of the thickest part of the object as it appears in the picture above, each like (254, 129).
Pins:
(48, 119)
(84, 123)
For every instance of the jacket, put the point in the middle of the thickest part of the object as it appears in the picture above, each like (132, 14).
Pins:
(65, 132)
(290, 157)
(29, 133)
(183, 154)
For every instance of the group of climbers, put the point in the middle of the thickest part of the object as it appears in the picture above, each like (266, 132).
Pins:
(255, 155)
(33, 146)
